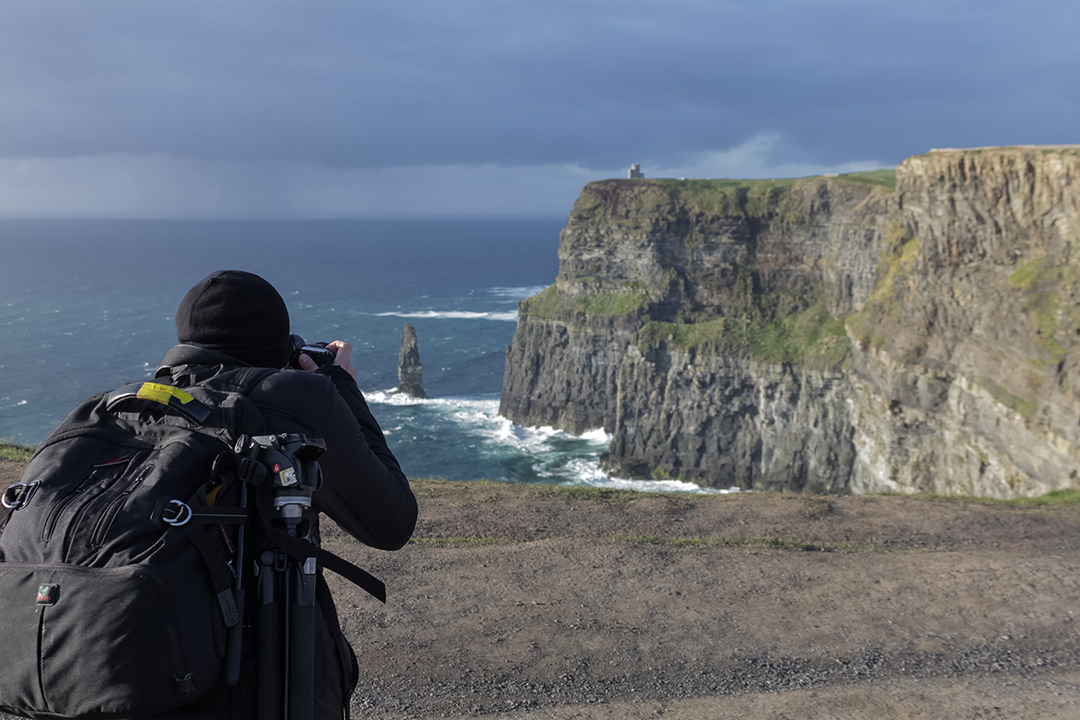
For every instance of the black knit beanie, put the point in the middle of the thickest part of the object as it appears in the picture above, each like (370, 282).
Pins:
(239, 314)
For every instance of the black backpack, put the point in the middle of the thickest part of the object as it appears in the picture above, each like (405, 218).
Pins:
(112, 603)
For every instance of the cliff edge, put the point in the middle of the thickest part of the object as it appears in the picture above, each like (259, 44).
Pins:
(907, 331)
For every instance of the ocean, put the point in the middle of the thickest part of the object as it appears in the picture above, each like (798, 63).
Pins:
(87, 305)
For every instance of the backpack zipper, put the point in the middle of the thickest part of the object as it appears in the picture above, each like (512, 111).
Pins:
(54, 516)
(50, 520)
(105, 521)
(40, 657)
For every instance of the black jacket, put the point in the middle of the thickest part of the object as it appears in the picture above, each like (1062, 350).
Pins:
(364, 491)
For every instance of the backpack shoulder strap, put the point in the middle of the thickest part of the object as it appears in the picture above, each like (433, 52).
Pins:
(240, 380)
(184, 354)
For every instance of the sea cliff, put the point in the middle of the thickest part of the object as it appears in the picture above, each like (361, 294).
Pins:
(907, 331)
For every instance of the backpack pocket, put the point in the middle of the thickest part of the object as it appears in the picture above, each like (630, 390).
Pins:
(76, 642)
(99, 480)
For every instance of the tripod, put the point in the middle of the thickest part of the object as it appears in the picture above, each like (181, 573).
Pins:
(284, 621)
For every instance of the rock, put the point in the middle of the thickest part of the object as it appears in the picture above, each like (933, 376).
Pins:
(410, 371)
(835, 334)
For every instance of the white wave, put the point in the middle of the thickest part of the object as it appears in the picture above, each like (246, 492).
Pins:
(517, 293)
(597, 435)
(532, 441)
(393, 397)
(21, 402)
(453, 315)
(546, 446)
(482, 416)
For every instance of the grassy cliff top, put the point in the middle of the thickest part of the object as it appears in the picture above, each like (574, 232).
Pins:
(615, 198)
(1044, 149)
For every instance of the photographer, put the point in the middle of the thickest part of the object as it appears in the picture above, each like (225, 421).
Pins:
(233, 318)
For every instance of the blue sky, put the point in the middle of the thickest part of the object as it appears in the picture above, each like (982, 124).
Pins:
(346, 108)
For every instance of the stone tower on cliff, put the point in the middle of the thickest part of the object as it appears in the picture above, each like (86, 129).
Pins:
(410, 371)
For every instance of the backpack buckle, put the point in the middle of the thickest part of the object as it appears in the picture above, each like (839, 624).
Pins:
(185, 684)
(18, 495)
(252, 471)
(176, 513)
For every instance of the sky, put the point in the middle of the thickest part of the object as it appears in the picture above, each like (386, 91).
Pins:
(395, 108)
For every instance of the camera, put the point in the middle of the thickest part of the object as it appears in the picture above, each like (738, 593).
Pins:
(322, 355)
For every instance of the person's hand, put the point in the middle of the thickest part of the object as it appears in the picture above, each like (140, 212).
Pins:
(342, 356)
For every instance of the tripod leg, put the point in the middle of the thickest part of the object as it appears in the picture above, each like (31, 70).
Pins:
(270, 651)
(302, 639)
(235, 636)
(232, 645)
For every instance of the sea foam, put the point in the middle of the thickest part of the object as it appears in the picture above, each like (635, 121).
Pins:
(552, 456)
(452, 315)
(517, 293)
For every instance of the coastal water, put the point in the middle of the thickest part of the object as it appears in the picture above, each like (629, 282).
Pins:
(87, 305)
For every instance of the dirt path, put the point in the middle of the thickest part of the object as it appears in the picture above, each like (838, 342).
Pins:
(524, 602)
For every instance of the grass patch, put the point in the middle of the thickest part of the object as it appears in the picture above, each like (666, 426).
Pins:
(751, 198)
(546, 305)
(456, 542)
(10, 450)
(1062, 498)
(427, 488)
(898, 255)
(588, 493)
(811, 338)
(1054, 498)
(768, 542)
(881, 178)
(1041, 282)
(774, 199)
(550, 304)
(612, 304)
(1026, 408)
(712, 334)
(1026, 276)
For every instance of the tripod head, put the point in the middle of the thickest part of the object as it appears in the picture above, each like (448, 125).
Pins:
(292, 462)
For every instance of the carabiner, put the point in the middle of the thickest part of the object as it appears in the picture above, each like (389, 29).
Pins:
(182, 516)
(18, 495)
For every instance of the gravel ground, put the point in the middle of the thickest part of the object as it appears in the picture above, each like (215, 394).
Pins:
(530, 602)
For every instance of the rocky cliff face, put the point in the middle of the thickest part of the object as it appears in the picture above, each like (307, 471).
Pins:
(964, 367)
(828, 334)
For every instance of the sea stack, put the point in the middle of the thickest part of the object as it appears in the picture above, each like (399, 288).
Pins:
(410, 371)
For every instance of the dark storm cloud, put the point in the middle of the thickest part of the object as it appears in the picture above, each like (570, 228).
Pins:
(598, 84)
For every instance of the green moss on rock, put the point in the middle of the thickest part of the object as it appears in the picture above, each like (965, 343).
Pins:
(623, 202)
(811, 338)
(1026, 408)
(881, 178)
(898, 255)
(546, 305)
(1042, 284)
(612, 304)
(550, 304)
